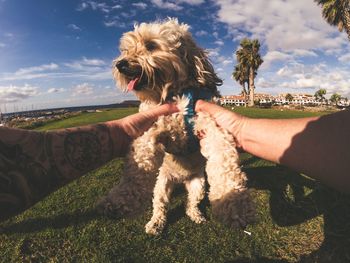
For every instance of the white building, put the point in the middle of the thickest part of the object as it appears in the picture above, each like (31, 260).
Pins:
(233, 100)
(343, 102)
(264, 99)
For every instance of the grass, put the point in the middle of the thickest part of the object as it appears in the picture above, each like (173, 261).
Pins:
(272, 113)
(88, 118)
(298, 219)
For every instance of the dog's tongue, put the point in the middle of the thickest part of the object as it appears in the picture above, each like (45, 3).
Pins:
(132, 84)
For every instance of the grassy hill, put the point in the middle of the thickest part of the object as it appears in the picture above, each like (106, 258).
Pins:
(88, 118)
(298, 219)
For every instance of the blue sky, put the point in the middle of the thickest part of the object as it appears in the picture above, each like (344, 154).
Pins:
(59, 53)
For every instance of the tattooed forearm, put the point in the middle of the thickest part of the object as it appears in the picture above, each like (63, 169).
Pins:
(33, 164)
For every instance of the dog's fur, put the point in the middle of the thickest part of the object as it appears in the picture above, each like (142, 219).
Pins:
(166, 60)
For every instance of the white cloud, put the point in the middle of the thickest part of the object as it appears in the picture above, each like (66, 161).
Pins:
(56, 90)
(281, 25)
(140, 5)
(85, 63)
(224, 61)
(345, 58)
(41, 68)
(296, 76)
(263, 83)
(9, 35)
(304, 53)
(213, 52)
(175, 5)
(11, 93)
(201, 33)
(29, 72)
(2, 45)
(82, 89)
(74, 27)
(192, 2)
(115, 23)
(117, 7)
(273, 56)
(219, 42)
(82, 6)
(85, 68)
(167, 5)
(94, 5)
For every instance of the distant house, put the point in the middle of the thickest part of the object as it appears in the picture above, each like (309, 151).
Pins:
(233, 100)
(262, 99)
(305, 100)
(343, 103)
(2, 120)
(281, 100)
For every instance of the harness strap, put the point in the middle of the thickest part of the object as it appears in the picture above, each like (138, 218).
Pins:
(193, 95)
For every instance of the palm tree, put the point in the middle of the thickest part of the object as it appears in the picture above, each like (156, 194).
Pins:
(335, 98)
(337, 13)
(240, 74)
(319, 95)
(249, 58)
(289, 97)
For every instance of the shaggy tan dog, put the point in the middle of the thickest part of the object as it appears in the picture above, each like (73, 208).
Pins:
(159, 61)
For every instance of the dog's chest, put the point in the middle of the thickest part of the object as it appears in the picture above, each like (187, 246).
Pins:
(181, 168)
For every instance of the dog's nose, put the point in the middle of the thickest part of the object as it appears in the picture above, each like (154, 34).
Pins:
(122, 64)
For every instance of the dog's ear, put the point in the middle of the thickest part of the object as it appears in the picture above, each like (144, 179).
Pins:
(200, 68)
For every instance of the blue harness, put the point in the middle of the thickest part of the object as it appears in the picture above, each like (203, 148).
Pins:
(193, 95)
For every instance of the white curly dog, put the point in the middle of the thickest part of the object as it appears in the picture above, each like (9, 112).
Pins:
(160, 61)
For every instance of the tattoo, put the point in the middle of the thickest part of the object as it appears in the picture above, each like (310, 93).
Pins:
(82, 150)
(22, 179)
(73, 152)
(33, 164)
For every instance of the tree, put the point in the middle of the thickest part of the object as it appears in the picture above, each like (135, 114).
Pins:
(336, 13)
(249, 61)
(289, 97)
(240, 74)
(319, 95)
(335, 98)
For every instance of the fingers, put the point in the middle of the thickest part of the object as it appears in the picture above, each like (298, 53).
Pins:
(136, 124)
(165, 109)
(203, 106)
(230, 121)
(214, 110)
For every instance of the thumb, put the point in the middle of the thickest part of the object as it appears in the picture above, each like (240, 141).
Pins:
(137, 124)
(214, 110)
(165, 109)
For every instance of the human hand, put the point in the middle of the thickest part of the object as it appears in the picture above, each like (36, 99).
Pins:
(230, 121)
(136, 124)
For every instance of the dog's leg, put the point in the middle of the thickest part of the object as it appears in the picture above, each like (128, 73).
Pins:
(162, 192)
(196, 191)
(134, 191)
(228, 194)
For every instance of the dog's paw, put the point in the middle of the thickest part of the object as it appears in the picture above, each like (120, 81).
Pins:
(155, 226)
(236, 209)
(195, 215)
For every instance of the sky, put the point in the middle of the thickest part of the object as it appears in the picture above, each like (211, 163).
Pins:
(60, 53)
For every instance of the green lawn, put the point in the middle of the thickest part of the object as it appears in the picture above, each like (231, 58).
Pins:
(88, 118)
(298, 219)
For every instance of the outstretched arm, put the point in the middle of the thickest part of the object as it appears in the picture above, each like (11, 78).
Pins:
(318, 147)
(33, 164)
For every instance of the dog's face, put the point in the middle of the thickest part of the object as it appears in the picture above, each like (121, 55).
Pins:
(161, 57)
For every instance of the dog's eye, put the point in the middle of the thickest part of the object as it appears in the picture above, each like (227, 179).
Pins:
(150, 46)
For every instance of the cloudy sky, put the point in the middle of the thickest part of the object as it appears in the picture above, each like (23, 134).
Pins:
(59, 53)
